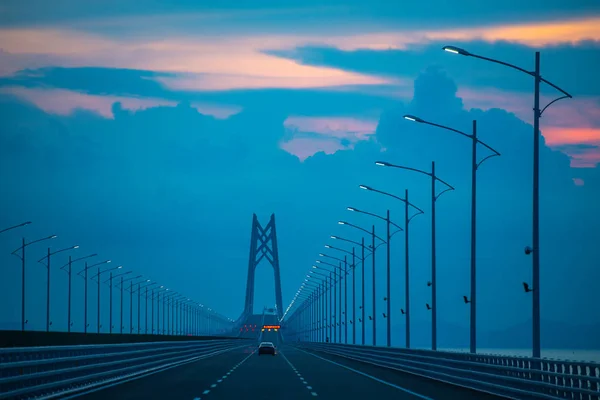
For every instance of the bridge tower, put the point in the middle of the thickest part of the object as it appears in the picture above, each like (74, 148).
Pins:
(263, 244)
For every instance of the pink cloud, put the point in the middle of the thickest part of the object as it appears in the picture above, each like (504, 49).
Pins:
(304, 147)
(65, 102)
(237, 60)
(578, 181)
(337, 127)
(572, 121)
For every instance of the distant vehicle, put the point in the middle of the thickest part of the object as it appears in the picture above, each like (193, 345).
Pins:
(266, 348)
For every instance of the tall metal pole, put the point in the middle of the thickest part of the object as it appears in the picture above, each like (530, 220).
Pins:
(389, 279)
(110, 306)
(85, 299)
(138, 325)
(146, 312)
(433, 264)
(340, 302)
(407, 285)
(23, 245)
(362, 282)
(331, 304)
(536, 211)
(69, 299)
(335, 317)
(130, 307)
(374, 297)
(346, 300)
(48, 293)
(152, 312)
(353, 296)
(473, 325)
(99, 300)
(121, 329)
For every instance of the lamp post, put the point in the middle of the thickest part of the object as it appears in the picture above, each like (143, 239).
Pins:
(434, 198)
(387, 242)
(372, 248)
(323, 278)
(338, 311)
(99, 277)
(85, 290)
(407, 219)
(15, 226)
(474, 167)
(70, 264)
(122, 287)
(353, 268)
(110, 284)
(47, 257)
(537, 113)
(24, 244)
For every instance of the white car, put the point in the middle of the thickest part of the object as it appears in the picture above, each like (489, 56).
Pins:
(266, 348)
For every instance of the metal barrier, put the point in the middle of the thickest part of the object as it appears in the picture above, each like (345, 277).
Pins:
(515, 377)
(46, 372)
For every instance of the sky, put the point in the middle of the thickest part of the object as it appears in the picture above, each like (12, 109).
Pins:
(151, 134)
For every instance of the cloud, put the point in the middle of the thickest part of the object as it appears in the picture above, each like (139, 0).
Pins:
(65, 102)
(170, 179)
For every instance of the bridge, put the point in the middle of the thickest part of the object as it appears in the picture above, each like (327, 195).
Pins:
(194, 353)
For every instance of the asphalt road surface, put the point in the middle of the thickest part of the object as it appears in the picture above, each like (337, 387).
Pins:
(292, 374)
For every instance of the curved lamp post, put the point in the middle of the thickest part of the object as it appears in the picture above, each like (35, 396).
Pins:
(387, 242)
(22, 257)
(68, 271)
(85, 290)
(15, 226)
(353, 267)
(407, 219)
(537, 113)
(99, 276)
(110, 285)
(474, 167)
(47, 257)
(434, 198)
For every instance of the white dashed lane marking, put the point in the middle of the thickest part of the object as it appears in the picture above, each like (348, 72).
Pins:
(214, 385)
(299, 375)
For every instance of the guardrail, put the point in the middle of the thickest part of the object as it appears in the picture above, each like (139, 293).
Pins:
(47, 372)
(514, 377)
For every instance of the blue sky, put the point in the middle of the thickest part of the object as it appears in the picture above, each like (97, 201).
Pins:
(151, 134)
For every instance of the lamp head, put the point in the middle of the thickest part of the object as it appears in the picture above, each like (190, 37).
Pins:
(364, 187)
(413, 118)
(333, 237)
(382, 163)
(327, 246)
(456, 50)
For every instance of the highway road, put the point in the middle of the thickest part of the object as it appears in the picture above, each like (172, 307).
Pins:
(292, 374)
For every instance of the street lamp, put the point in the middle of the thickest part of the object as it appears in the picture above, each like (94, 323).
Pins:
(99, 276)
(373, 250)
(22, 257)
(537, 113)
(474, 167)
(434, 198)
(47, 257)
(407, 220)
(110, 285)
(69, 264)
(387, 242)
(121, 286)
(337, 310)
(85, 290)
